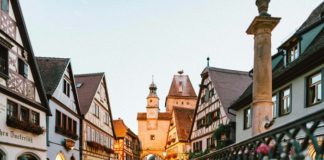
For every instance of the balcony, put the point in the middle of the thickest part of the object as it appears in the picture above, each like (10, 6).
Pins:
(299, 139)
(7, 24)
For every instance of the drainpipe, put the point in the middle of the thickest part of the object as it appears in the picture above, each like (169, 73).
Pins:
(261, 27)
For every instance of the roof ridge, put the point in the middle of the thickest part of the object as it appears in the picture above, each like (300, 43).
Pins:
(89, 74)
(228, 70)
(53, 58)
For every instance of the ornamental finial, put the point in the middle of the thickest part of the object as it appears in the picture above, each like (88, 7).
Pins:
(208, 61)
(263, 6)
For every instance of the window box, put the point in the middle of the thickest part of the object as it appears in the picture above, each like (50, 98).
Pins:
(95, 145)
(109, 150)
(66, 133)
(24, 125)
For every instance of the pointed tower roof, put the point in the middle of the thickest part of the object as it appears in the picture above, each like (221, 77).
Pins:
(181, 86)
(153, 89)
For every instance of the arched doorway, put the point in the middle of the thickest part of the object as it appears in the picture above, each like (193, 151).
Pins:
(152, 157)
(2, 155)
(28, 156)
(60, 156)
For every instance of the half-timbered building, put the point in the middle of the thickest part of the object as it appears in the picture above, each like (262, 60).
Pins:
(127, 144)
(218, 89)
(23, 103)
(64, 124)
(97, 133)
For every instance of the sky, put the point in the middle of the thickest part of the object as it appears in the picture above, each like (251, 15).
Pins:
(131, 40)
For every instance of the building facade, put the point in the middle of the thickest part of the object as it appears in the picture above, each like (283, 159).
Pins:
(297, 80)
(23, 103)
(153, 126)
(127, 145)
(180, 102)
(97, 133)
(64, 124)
(218, 89)
(178, 145)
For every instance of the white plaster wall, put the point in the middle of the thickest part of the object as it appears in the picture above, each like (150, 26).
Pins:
(299, 109)
(36, 144)
(55, 139)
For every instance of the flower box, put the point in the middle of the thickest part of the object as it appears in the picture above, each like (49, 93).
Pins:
(66, 133)
(25, 126)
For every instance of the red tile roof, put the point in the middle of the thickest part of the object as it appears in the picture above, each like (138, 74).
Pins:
(184, 82)
(183, 121)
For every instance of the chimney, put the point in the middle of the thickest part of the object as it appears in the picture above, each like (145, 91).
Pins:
(261, 27)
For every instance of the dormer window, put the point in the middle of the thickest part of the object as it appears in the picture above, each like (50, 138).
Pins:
(180, 87)
(5, 5)
(293, 53)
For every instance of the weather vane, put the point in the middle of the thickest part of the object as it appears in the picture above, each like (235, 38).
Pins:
(263, 6)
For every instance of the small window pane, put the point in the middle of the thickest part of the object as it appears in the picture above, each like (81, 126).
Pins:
(285, 106)
(35, 118)
(314, 89)
(12, 109)
(274, 107)
(247, 118)
(24, 114)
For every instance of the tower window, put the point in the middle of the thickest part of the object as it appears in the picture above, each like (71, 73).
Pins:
(180, 87)
(152, 137)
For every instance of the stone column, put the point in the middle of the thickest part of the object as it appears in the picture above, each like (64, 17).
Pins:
(261, 28)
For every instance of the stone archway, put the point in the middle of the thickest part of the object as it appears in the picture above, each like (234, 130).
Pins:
(157, 154)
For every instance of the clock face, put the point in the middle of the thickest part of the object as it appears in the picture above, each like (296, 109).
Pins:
(151, 125)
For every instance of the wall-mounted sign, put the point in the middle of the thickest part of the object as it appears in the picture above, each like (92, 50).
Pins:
(69, 144)
(15, 135)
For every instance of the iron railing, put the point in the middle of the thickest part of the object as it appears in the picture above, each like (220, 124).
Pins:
(300, 139)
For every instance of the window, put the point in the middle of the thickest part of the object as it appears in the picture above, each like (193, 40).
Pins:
(314, 89)
(74, 130)
(69, 124)
(64, 121)
(293, 53)
(12, 109)
(106, 120)
(78, 85)
(5, 5)
(152, 137)
(22, 68)
(66, 87)
(206, 95)
(24, 114)
(180, 86)
(58, 118)
(247, 118)
(274, 106)
(285, 101)
(3, 61)
(35, 118)
(197, 146)
(96, 110)
(88, 133)
(200, 123)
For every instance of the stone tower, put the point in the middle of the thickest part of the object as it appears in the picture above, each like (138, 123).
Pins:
(153, 126)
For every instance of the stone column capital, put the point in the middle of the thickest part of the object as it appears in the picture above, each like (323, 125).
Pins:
(262, 24)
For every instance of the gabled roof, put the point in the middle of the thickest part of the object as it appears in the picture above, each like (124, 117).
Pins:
(187, 89)
(31, 60)
(52, 70)
(316, 16)
(121, 130)
(183, 121)
(229, 85)
(87, 90)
